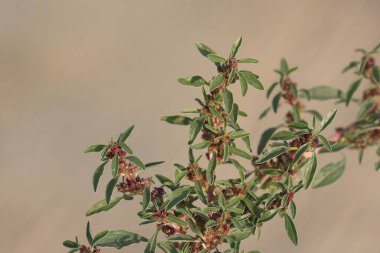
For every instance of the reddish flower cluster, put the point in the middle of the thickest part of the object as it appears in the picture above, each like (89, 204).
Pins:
(85, 249)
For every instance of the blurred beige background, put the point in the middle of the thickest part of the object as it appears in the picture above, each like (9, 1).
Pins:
(73, 73)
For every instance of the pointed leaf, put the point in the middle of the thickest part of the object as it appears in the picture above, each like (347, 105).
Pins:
(329, 174)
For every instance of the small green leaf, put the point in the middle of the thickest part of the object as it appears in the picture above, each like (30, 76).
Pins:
(152, 164)
(238, 134)
(276, 101)
(284, 66)
(351, 90)
(228, 100)
(97, 174)
(199, 191)
(215, 113)
(124, 136)
(151, 246)
(324, 92)
(298, 125)
(265, 137)
(234, 114)
(195, 81)
(251, 79)
(216, 58)
(179, 177)
(211, 169)
(271, 88)
(99, 236)
(177, 197)
(291, 229)
(102, 206)
(283, 135)
(327, 120)
(168, 247)
(248, 60)
(243, 84)
(146, 198)
(95, 148)
(70, 244)
(272, 153)
(235, 47)
(204, 49)
(300, 152)
(293, 209)
(310, 170)
(240, 153)
(177, 220)
(376, 74)
(177, 120)
(195, 127)
(325, 142)
(217, 81)
(119, 239)
(136, 161)
(201, 145)
(364, 108)
(115, 165)
(351, 65)
(181, 238)
(88, 233)
(329, 174)
(110, 187)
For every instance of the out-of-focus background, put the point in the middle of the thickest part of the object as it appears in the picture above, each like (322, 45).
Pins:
(74, 73)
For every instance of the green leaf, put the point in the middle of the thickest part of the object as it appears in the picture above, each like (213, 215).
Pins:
(291, 229)
(152, 164)
(177, 220)
(251, 79)
(284, 66)
(327, 120)
(325, 142)
(329, 174)
(97, 174)
(181, 238)
(240, 169)
(177, 120)
(351, 90)
(201, 145)
(179, 177)
(99, 236)
(376, 74)
(126, 147)
(293, 209)
(216, 58)
(94, 148)
(151, 246)
(243, 84)
(102, 206)
(146, 198)
(136, 161)
(211, 169)
(238, 134)
(310, 170)
(324, 92)
(283, 135)
(240, 153)
(364, 108)
(115, 165)
(228, 100)
(234, 114)
(70, 244)
(195, 127)
(110, 187)
(351, 65)
(195, 81)
(235, 47)
(300, 152)
(168, 247)
(88, 233)
(177, 197)
(248, 60)
(271, 88)
(217, 81)
(276, 101)
(274, 152)
(215, 113)
(199, 191)
(298, 125)
(124, 136)
(265, 137)
(119, 239)
(204, 49)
